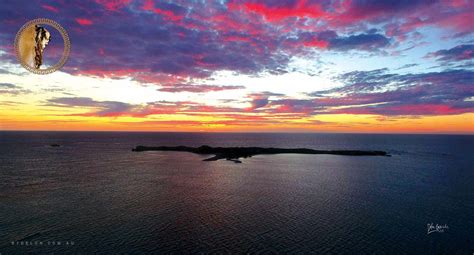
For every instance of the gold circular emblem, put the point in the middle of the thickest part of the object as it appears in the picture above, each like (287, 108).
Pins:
(31, 41)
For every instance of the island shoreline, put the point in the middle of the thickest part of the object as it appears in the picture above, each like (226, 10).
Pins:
(234, 153)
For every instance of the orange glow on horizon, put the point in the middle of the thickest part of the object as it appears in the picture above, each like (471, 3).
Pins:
(31, 118)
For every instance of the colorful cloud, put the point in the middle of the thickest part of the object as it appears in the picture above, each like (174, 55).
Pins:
(231, 65)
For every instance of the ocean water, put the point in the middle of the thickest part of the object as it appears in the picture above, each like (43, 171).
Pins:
(94, 195)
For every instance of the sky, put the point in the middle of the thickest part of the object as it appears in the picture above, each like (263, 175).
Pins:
(357, 66)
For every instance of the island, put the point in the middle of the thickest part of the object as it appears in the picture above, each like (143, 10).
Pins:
(234, 153)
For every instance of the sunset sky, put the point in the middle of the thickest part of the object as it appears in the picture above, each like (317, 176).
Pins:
(371, 66)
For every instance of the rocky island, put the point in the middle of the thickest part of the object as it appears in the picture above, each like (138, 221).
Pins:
(234, 153)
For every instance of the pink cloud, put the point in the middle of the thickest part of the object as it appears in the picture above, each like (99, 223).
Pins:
(113, 5)
(50, 8)
(301, 9)
(167, 14)
(84, 22)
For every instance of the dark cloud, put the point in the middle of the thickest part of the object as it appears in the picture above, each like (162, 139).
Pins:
(372, 9)
(459, 53)
(7, 85)
(74, 101)
(370, 41)
(407, 66)
(4, 71)
(261, 99)
(380, 92)
(102, 108)
(115, 108)
(12, 89)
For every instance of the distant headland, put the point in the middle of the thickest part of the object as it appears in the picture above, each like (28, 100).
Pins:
(234, 153)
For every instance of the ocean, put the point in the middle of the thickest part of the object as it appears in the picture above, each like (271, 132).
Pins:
(94, 195)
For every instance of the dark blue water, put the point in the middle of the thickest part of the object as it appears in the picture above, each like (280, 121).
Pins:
(93, 194)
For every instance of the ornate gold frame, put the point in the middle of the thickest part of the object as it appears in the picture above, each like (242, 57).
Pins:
(67, 46)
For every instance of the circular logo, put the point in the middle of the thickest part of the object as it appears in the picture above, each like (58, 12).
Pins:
(38, 49)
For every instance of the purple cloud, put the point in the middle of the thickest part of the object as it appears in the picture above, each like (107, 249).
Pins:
(459, 53)
(195, 39)
(103, 108)
(329, 39)
(368, 42)
(380, 92)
